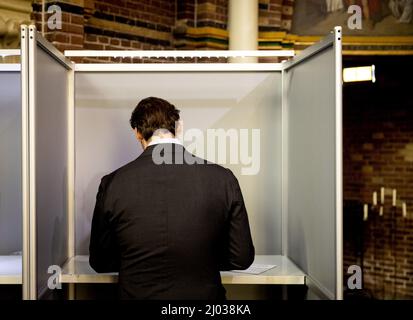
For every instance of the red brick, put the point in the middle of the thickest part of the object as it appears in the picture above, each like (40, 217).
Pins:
(72, 28)
(65, 17)
(91, 38)
(103, 39)
(60, 37)
(77, 40)
(93, 46)
(125, 43)
(115, 42)
(136, 45)
(124, 12)
(113, 10)
(110, 47)
(76, 19)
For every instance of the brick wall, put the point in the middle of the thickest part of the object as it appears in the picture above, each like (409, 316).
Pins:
(147, 23)
(130, 25)
(201, 25)
(212, 13)
(156, 24)
(185, 12)
(275, 15)
(111, 25)
(71, 36)
(378, 152)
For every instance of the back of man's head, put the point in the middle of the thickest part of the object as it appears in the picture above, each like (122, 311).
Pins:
(152, 114)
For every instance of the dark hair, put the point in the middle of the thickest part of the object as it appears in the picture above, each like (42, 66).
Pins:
(152, 114)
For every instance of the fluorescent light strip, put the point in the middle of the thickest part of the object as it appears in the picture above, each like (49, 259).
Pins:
(179, 53)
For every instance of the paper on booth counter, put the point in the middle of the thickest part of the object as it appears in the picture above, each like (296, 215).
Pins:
(257, 268)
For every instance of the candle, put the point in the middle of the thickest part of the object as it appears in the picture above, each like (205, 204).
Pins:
(366, 212)
(381, 211)
(394, 197)
(382, 195)
(404, 210)
(374, 198)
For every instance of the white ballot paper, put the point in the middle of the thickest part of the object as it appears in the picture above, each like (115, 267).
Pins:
(257, 268)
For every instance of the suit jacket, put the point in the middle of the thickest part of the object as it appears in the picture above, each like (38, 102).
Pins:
(168, 229)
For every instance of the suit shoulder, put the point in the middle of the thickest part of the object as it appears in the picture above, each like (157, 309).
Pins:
(218, 170)
(107, 179)
(207, 166)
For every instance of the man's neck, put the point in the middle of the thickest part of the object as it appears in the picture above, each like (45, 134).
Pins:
(166, 137)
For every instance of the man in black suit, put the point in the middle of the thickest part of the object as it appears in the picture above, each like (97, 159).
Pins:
(169, 226)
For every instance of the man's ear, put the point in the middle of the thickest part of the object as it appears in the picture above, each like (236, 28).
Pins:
(140, 138)
(138, 135)
(179, 128)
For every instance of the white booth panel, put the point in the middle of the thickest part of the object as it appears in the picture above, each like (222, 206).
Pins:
(207, 100)
(49, 122)
(10, 162)
(312, 173)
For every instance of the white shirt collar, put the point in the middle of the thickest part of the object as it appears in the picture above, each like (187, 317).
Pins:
(157, 140)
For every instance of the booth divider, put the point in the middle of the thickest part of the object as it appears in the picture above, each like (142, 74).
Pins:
(47, 82)
(313, 164)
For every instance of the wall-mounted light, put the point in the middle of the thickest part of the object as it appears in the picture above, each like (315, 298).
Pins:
(358, 74)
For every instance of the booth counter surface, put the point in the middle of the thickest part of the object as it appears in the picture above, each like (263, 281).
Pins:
(11, 269)
(78, 270)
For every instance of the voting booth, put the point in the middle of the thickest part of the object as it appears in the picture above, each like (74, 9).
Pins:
(10, 177)
(282, 126)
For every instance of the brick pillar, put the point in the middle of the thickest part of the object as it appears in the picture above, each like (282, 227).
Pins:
(270, 12)
(243, 27)
(212, 13)
(201, 25)
(185, 18)
(287, 14)
(71, 34)
(185, 12)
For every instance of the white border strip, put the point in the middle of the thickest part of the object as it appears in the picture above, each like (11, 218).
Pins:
(339, 160)
(176, 67)
(179, 53)
(10, 52)
(10, 67)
